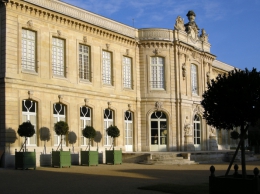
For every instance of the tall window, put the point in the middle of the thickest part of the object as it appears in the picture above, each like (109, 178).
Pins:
(194, 79)
(157, 73)
(127, 76)
(28, 50)
(197, 129)
(107, 68)
(59, 114)
(58, 57)
(84, 62)
(128, 128)
(108, 120)
(29, 113)
(85, 119)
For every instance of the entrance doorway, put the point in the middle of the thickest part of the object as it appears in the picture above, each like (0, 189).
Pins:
(158, 139)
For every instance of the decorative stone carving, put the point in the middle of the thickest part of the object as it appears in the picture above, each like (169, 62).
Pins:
(158, 105)
(203, 36)
(179, 24)
(184, 71)
(107, 45)
(208, 76)
(85, 16)
(59, 32)
(85, 39)
(191, 27)
(187, 127)
(129, 107)
(156, 51)
(60, 98)
(30, 94)
(86, 101)
(212, 131)
(109, 105)
(30, 24)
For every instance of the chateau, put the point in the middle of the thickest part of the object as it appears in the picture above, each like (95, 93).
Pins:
(62, 63)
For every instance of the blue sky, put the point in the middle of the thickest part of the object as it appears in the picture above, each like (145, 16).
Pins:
(233, 25)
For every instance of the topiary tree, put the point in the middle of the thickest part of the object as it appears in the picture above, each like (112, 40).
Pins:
(90, 133)
(114, 132)
(26, 129)
(233, 100)
(61, 128)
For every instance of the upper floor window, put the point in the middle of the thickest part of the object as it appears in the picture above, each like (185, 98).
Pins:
(127, 72)
(84, 62)
(29, 113)
(157, 73)
(85, 119)
(28, 50)
(58, 57)
(194, 79)
(59, 114)
(107, 68)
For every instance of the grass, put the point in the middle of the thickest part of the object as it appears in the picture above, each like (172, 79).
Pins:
(179, 189)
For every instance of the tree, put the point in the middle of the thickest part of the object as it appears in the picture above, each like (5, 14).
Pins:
(114, 132)
(89, 132)
(26, 129)
(61, 128)
(233, 100)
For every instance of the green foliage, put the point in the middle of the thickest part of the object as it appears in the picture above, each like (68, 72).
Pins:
(113, 131)
(89, 132)
(61, 128)
(234, 135)
(26, 129)
(233, 100)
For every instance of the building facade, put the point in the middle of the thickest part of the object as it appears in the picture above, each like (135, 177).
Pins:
(60, 62)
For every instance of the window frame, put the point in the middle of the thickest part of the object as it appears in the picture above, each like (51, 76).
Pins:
(84, 141)
(127, 69)
(61, 68)
(194, 80)
(34, 68)
(86, 70)
(157, 73)
(107, 75)
(59, 116)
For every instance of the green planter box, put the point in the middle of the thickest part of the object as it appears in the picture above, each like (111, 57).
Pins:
(61, 158)
(114, 156)
(25, 160)
(89, 158)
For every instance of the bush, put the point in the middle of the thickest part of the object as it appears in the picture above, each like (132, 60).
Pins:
(26, 129)
(89, 132)
(61, 128)
(113, 131)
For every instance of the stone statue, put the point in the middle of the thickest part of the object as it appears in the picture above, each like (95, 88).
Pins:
(204, 36)
(184, 71)
(179, 24)
(212, 130)
(187, 127)
(208, 77)
(191, 26)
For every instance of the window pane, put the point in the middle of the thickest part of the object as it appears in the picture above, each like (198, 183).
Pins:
(107, 69)
(157, 72)
(28, 50)
(58, 57)
(84, 62)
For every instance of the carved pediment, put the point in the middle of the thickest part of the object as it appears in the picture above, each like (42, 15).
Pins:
(179, 24)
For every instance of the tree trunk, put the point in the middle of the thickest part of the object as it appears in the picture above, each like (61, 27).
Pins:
(243, 155)
(61, 142)
(234, 156)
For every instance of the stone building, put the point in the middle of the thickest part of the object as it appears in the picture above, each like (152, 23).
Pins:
(60, 62)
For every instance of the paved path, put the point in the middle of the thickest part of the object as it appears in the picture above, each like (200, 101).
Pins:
(119, 179)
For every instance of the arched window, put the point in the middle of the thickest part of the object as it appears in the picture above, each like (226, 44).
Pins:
(157, 73)
(197, 131)
(194, 79)
(29, 113)
(129, 131)
(85, 119)
(59, 114)
(108, 120)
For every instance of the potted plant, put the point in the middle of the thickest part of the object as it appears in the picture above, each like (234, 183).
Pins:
(25, 159)
(113, 156)
(89, 157)
(61, 158)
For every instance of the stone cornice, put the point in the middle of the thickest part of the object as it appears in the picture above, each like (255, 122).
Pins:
(83, 15)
